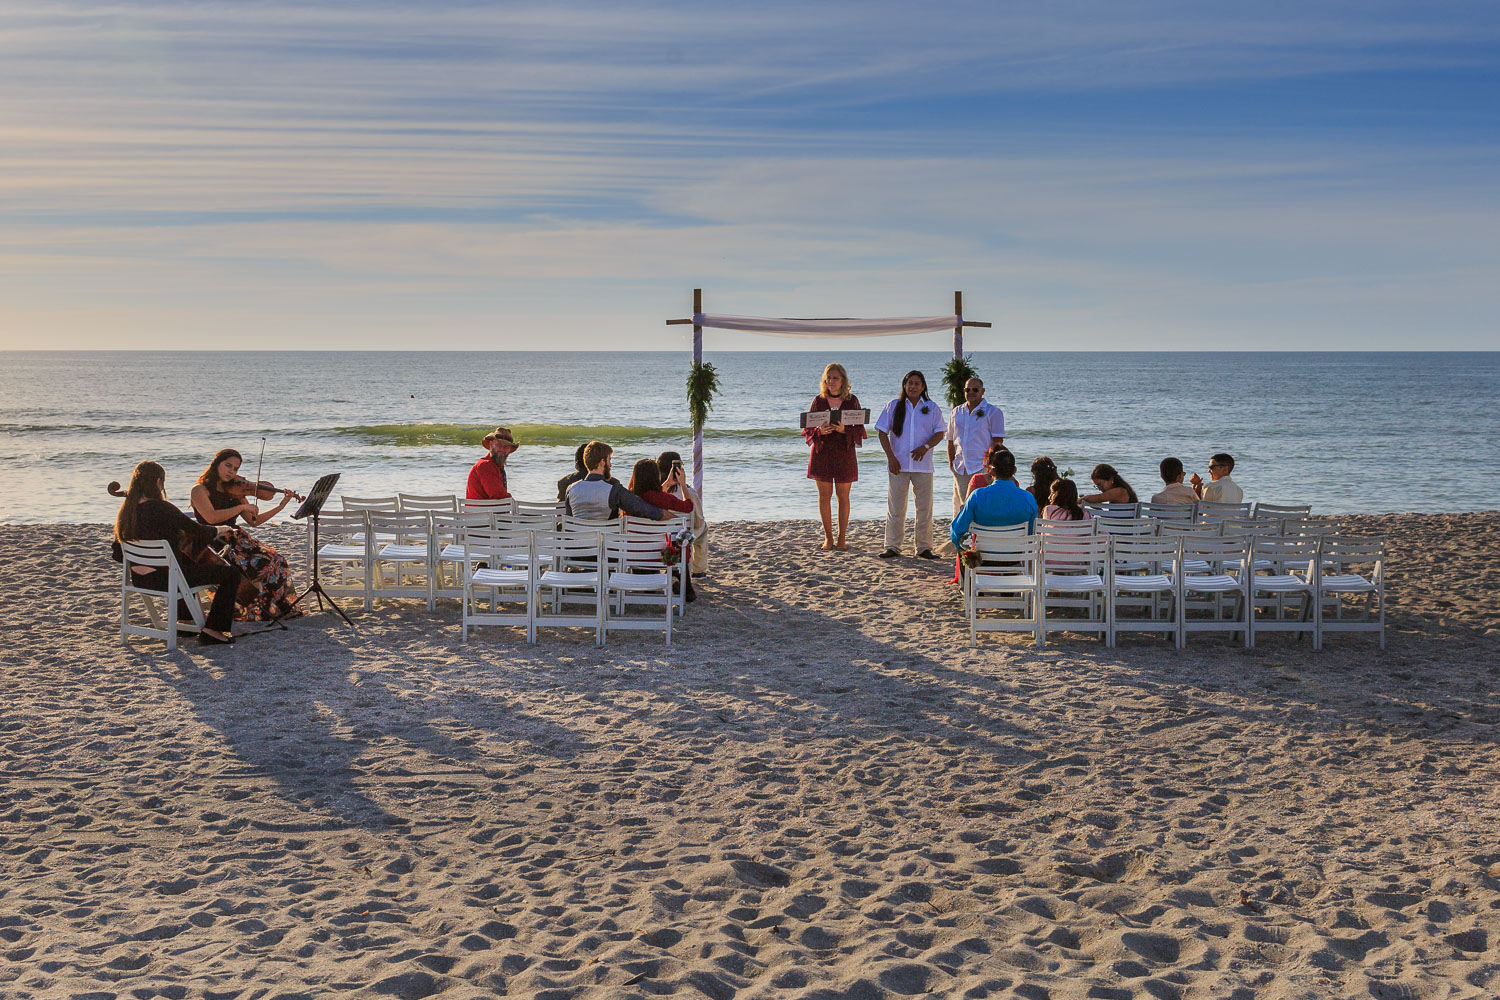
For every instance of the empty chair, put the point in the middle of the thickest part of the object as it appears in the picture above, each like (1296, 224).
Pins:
(343, 553)
(1277, 511)
(446, 503)
(448, 549)
(555, 508)
(1288, 585)
(1209, 510)
(1144, 575)
(1352, 569)
(499, 565)
(573, 577)
(1182, 529)
(156, 554)
(977, 532)
(1006, 580)
(1315, 526)
(1076, 576)
(635, 568)
(505, 506)
(1203, 573)
(391, 505)
(408, 556)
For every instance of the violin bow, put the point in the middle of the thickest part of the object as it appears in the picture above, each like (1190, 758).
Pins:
(260, 463)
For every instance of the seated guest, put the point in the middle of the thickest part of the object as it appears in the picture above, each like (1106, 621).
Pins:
(1043, 475)
(1177, 492)
(1111, 486)
(1221, 489)
(596, 497)
(1063, 503)
(665, 463)
(578, 473)
(996, 505)
(274, 594)
(487, 479)
(145, 515)
(646, 483)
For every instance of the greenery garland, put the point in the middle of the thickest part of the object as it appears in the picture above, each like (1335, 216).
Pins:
(702, 386)
(955, 373)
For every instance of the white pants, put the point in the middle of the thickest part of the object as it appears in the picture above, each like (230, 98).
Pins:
(895, 512)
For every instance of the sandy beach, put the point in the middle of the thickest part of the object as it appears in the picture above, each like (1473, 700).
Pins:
(820, 790)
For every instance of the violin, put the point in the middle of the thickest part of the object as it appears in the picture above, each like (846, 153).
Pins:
(262, 490)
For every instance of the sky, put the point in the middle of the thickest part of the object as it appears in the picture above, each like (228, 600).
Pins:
(1092, 175)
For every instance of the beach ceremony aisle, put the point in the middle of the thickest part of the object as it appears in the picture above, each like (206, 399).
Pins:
(819, 790)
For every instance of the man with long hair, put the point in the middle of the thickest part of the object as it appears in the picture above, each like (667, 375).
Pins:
(910, 426)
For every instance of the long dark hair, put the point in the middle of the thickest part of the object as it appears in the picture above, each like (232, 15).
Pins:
(145, 484)
(578, 459)
(899, 420)
(210, 478)
(1065, 495)
(1109, 475)
(664, 463)
(644, 478)
(1043, 475)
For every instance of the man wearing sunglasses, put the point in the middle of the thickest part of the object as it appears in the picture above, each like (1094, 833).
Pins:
(972, 429)
(1221, 489)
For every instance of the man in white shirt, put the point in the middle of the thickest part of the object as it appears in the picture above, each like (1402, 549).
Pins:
(1177, 492)
(1221, 489)
(910, 426)
(973, 429)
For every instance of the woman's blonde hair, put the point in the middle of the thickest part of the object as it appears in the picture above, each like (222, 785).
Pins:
(823, 383)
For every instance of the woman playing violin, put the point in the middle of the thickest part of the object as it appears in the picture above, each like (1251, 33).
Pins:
(221, 497)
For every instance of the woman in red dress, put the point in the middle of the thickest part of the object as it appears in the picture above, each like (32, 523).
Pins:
(833, 463)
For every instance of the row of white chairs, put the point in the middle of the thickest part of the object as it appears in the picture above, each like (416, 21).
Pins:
(447, 503)
(372, 554)
(1175, 584)
(1201, 510)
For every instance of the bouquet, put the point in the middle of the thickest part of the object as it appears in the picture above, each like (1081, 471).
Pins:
(971, 556)
(671, 553)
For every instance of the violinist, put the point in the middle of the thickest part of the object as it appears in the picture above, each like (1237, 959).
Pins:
(145, 515)
(221, 498)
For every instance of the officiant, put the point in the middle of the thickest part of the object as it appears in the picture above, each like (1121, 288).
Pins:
(833, 464)
(974, 428)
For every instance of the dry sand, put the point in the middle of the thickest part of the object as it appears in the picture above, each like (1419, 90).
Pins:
(818, 791)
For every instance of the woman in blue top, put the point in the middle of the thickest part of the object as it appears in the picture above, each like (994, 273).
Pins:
(1001, 503)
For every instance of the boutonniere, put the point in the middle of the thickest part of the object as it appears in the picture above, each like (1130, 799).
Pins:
(979, 412)
(924, 407)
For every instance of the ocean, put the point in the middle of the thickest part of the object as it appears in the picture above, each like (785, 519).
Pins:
(1346, 432)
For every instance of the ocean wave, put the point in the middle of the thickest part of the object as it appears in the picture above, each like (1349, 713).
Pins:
(552, 434)
(101, 428)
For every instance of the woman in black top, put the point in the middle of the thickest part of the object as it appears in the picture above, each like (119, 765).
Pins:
(145, 515)
(261, 564)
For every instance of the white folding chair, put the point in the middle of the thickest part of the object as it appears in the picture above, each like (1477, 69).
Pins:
(1288, 584)
(409, 556)
(1083, 529)
(506, 506)
(1210, 510)
(1076, 574)
(502, 565)
(576, 560)
(1007, 579)
(573, 525)
(543, 508)
(343, 549)
(678, 527)
(153, 555)
(448, 546)
(381, 505)
(1145, 576)
(978, 533)
(635, 568)
(1203, 571)
(1280, 511)
(1126, 527)
(1114, 509)
(1351, 568)
(1167, 511)
(439, 503)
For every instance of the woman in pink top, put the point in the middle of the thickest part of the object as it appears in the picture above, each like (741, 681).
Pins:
(1064, 505)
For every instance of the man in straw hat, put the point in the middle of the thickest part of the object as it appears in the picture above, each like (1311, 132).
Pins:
(487, 478)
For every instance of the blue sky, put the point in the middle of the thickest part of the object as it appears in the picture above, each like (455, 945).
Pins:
(1092, 175)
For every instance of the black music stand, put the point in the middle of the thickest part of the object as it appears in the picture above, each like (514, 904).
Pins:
(312, 507)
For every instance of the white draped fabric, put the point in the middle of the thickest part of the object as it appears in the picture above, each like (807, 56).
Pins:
(792, 327)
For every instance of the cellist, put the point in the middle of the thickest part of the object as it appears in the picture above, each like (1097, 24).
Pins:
(216, 501)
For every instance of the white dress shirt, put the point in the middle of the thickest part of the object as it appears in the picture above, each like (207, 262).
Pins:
(918, 429)
(972, 432)
(1223, 490)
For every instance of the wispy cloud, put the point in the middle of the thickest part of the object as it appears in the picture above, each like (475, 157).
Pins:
(1287, 171)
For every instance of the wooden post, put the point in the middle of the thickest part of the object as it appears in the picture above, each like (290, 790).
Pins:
(958, 329)
(697, 360)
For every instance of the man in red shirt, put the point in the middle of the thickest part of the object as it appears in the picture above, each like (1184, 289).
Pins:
(487, 477)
